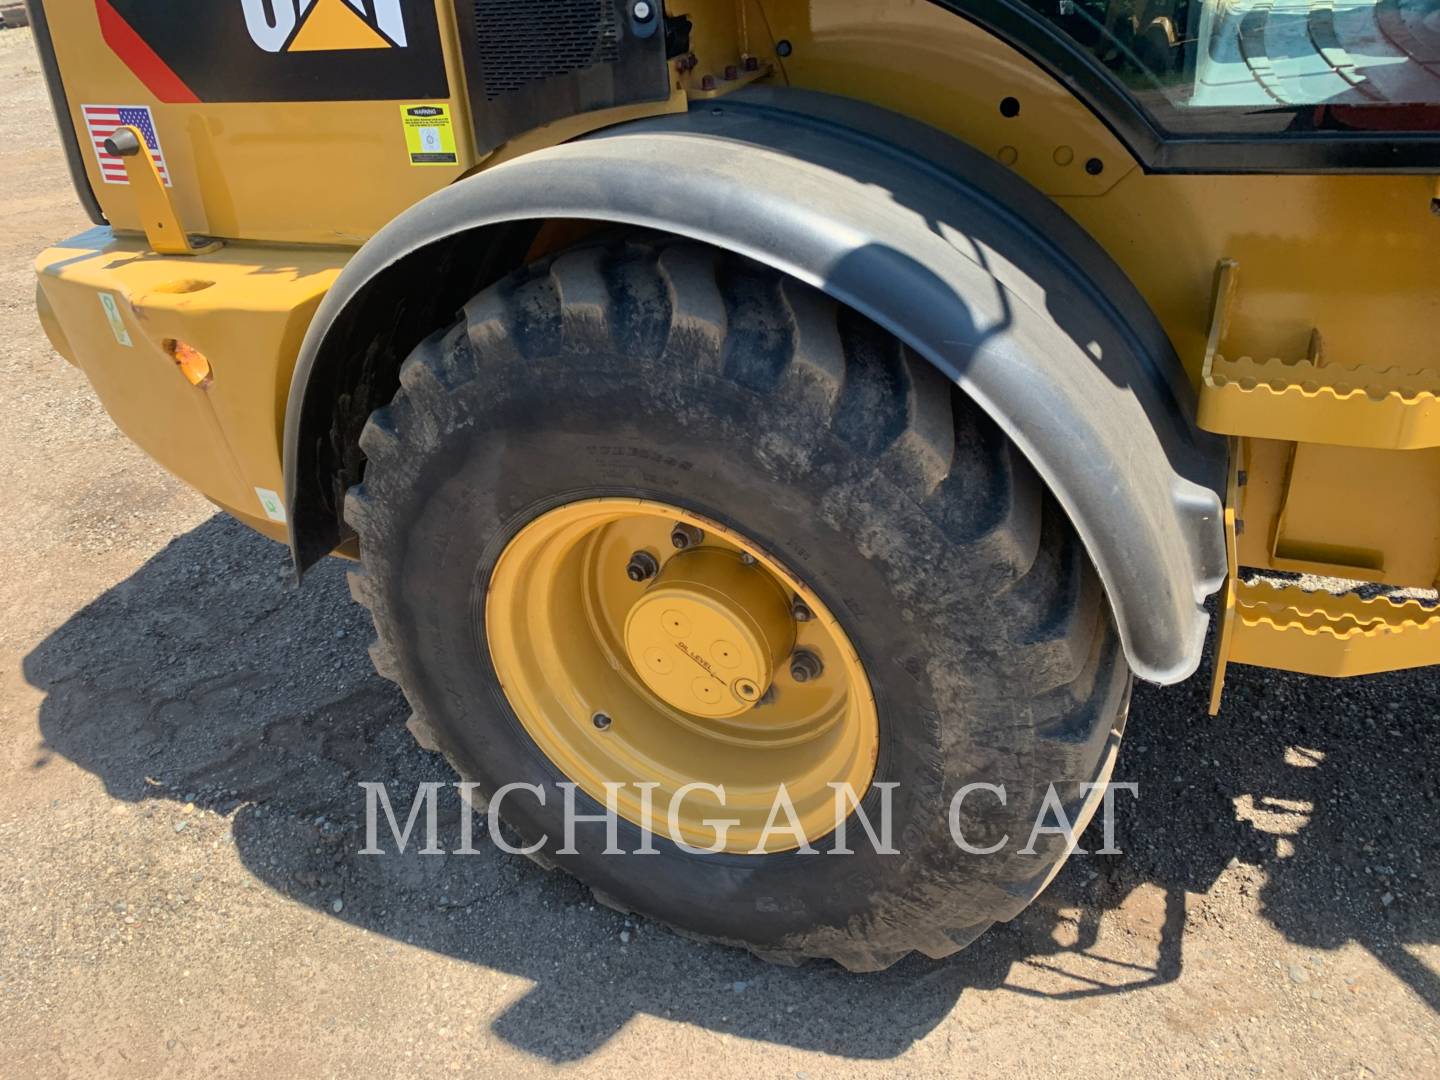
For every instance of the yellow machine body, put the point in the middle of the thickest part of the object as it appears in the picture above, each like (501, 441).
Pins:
(1319, 361)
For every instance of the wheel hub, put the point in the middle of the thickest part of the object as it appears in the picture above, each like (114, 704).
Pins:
(709, 633)
(637, 659)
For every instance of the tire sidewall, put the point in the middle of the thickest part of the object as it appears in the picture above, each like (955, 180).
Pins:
(545, 445)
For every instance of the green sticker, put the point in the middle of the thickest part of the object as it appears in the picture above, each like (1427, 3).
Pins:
(271, 504)
(428, 135)
(112, 316)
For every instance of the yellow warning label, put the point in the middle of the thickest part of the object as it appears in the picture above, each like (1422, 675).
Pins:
(428, 134)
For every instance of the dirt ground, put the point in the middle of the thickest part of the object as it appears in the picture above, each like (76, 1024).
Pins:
(182, 732)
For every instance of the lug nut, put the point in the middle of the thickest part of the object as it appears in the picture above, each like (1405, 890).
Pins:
(600, 720)
(642, 566)
(800, 612)
(731, 73)
(685, 536)
(752, 63)
(805, 665)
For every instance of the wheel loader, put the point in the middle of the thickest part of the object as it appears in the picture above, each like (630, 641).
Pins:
(842, 400)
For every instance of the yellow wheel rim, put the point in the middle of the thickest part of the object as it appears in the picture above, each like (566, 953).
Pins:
(718, 669)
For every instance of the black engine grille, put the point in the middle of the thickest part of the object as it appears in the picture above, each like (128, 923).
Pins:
(528, 62)
(520, 43)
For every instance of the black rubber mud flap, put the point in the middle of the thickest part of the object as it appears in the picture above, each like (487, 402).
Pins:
(953, 254)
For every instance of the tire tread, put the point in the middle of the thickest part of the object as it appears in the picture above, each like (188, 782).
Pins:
(815, 367)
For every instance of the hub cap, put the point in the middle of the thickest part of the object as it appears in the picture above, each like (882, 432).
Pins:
(708, 636)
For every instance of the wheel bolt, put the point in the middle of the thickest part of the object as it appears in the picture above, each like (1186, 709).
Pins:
(805, 665)
(800, 612)
(600, 720)
(642, 566)
(685, 536)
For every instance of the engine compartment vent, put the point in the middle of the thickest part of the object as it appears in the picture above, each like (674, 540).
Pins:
(525, 43)
(529, 64)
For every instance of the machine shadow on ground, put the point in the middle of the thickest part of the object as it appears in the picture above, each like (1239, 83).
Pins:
(205, 675)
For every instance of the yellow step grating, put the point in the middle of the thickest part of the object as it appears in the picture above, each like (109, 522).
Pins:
(1311, 400)
(1323, 634)
(1315, 633)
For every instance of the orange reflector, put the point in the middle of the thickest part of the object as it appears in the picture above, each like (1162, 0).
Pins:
(190, 360)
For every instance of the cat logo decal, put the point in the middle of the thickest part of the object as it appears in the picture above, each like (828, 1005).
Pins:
(324, 25)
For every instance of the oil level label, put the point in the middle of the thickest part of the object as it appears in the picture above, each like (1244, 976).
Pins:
(429, 138)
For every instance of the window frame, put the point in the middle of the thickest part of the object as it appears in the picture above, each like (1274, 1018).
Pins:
(1161, 151)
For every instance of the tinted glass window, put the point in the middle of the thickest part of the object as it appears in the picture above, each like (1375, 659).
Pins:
(1252, 66)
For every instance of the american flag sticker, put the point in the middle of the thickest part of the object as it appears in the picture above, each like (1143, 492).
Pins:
(102, 120)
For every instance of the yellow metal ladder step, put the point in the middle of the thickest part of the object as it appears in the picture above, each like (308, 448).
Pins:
(1311, 632)
(1320, 633)
(1310, 400)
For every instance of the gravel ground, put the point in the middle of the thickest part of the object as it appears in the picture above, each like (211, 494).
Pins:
(181, 735)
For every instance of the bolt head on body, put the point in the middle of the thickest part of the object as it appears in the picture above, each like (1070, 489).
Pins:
(642, 11)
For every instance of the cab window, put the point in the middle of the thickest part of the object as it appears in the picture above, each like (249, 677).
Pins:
(1249, 67)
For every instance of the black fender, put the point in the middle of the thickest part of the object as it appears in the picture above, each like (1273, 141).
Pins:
(952, 253)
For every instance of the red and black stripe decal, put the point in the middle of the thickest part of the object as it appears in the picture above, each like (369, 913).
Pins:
(140, 58)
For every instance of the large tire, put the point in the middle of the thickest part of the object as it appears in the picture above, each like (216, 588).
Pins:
(741, 395)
